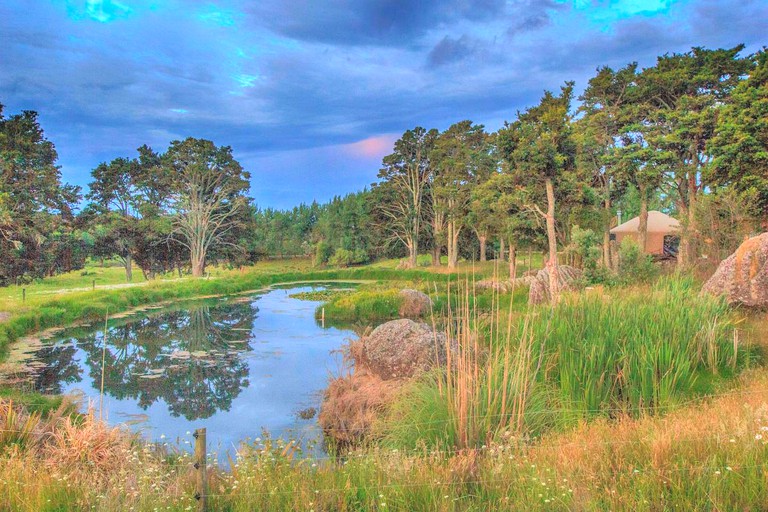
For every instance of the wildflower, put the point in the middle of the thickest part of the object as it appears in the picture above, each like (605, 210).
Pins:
(728, 468)
(758, 437)
(717, 472)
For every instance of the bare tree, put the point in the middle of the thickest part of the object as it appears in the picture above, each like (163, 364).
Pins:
(209, 192)
(407, 171)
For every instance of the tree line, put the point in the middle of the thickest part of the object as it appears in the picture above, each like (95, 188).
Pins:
(687, 135)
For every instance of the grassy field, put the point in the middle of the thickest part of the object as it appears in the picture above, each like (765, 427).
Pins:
(654, 398)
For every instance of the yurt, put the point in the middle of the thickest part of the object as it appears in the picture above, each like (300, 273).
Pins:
(663, 233)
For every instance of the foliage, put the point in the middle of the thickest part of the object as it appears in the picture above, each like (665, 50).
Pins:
(37, 234)
(345, 258)
(634, 265)
(740, 143)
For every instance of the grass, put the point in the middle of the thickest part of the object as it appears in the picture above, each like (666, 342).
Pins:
(548, 409)
(708, 457)
(552, 369)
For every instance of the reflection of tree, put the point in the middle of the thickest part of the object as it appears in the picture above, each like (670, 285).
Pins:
(193, 387)
(60, 368)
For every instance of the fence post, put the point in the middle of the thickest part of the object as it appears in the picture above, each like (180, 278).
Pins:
(201, 485)
(23, 295)
(94, 284)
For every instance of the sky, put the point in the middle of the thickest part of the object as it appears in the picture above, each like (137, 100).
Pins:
(311, 94)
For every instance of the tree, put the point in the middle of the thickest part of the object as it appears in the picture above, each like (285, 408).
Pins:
(461, 157)
(683, 95)
(208, 192)
(406, 172)
(35, 206)
(539, 149)
(115, 195)
(740, 144)
(609, 107)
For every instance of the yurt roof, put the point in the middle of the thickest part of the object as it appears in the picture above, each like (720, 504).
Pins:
(657, 223)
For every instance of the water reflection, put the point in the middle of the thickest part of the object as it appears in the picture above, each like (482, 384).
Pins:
(191, 359)
(228, 365)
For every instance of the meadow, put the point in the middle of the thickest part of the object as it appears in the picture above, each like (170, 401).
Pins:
(645, 397)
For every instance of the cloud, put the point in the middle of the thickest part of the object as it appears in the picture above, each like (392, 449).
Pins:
(450, 50)
(307, 89)
(370, 22)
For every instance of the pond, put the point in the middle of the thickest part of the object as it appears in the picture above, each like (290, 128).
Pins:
(236, 366)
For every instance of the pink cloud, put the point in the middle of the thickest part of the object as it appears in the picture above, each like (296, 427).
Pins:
(372, 147)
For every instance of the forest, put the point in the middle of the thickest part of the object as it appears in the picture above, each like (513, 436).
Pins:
(686, 136)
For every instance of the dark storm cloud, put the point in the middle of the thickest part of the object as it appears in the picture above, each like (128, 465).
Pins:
(450, 50)
(298, 88)
(370, 22)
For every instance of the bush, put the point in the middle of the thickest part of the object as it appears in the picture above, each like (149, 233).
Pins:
(634, 265)
(323, 253)
(345, 258)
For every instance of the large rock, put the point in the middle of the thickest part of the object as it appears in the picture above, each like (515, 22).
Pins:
(383, 361)
(539, 292)
(743, 276)
(504, 286)
(402, 349)
(415, 303)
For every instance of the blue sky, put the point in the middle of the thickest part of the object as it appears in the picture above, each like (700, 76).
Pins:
(311, 94)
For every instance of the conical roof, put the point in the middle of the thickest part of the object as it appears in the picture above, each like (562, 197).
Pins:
(657, 223)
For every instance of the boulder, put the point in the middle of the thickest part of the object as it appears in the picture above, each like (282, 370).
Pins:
(401, 349)
(568, 277)
(415, 303)
(504, 286)
(383, 361)
(743, 276)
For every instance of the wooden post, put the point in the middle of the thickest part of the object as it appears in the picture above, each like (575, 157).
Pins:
(323, 318)
(94, 284)
(23, 295)
(201, 484)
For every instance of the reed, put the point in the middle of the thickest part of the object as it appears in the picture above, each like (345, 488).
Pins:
(519, 376)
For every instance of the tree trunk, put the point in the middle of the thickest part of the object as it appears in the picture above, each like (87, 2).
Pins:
(554, 281)
(643, 227)
(198, 268)
(512, 261)
(453, 244)
(607, 234)
(502, 249)
(197, 259)
(414, 248)
(438, 226)
(128, 268)
(483, 241)
(684, 250)
(436, 256)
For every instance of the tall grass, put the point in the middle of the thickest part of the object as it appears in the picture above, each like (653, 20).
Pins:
(591, 356)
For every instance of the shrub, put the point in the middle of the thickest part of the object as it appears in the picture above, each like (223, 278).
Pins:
(345, 258)
(323, 252)
(634, 265)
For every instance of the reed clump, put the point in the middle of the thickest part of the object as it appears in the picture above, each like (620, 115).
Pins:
(518, 376)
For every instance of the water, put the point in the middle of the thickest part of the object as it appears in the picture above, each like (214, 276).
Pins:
(235, 366)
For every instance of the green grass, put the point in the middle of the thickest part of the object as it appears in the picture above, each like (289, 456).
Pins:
(591, 436)
(642, 352)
